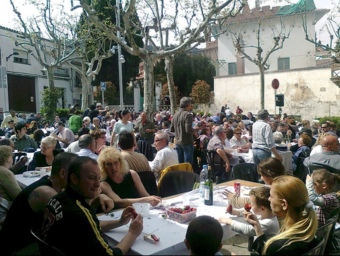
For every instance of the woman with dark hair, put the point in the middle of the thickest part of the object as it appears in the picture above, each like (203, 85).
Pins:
(123, 124)
(100, 140)
(251, 117)
(38, 135)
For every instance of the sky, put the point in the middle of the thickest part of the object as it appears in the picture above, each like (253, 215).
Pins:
(7, 16)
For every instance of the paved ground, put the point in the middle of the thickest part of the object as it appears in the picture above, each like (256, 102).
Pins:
(237, 244)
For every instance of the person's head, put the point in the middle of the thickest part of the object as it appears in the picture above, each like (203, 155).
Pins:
(92, 107)
(324, 181)
(38, 135)
(47, 145)
(11, 123)
(259, 199)
(229, 133)
(278, 137)
(241, 125)
(161, 140)
(250, 115)
(86, 120)
(99, 106)
(263, 114)
(282, 127)
(6, 158)
(38, 115)
(125, 115)
(99, 136)
(111, 163)
(20, 129)
(83, 130)
(33, 125)
(12, 112)
(204, 236)
(305, 123)
(7, 142)
(220, 133)
(304, 140)
(165, 124)
(330, 143)
(86, 141)
(269, 168)
(84, 177)
(126, 140)
(325, 127)
(96, 121)
(60, 165)
(289, 200)
(158, 117)
(237, 133)
(143, 117)
(185, 103)
(61, 126)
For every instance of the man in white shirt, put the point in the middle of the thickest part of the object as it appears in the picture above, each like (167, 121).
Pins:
(9, 117)
(165, 156)
(87, 146)
(64, 135)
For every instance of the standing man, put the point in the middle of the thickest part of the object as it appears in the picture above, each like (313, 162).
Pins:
(9, 117)
(145, 128)
(68, 213)
(184, 133)
(263, 140)
(64, 135)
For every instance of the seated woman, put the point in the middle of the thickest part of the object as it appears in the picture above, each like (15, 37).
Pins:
(278, 138)
(100, 140)
(268, 169)
(9, 187)
(303, 143)
(240, 142)
(122, 185)
(45, 157)
(288, 200)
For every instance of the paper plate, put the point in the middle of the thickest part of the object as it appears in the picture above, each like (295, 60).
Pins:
(31, 174)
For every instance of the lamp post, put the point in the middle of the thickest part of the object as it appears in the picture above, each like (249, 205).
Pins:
(121, 59)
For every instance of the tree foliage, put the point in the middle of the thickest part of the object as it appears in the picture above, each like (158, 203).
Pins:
(200, 92)
(110, 94)
(50, 97)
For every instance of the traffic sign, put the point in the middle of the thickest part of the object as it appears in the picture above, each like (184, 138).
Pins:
(275, 83)
(103, 86)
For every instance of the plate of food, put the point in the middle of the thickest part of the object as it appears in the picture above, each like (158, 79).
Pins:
(30, 174)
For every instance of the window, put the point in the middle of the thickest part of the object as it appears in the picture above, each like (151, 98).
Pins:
(283, 64)
(232, 68)
(20, 60)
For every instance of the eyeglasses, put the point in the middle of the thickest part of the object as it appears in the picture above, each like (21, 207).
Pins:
(42, 147)
(324, 127)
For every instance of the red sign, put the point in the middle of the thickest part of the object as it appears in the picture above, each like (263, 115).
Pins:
(275, 83)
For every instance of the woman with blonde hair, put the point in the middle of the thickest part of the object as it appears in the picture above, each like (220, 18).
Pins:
(288, 200)
(120, 183)
(46, 155)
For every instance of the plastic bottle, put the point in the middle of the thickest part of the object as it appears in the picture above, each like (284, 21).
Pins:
(203, 177)
(208, 189)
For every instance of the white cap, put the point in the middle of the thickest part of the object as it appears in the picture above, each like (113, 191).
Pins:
(98, 104)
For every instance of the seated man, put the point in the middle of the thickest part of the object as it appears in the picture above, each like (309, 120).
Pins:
(72, 226)
(64, 135)
(21, 140)
(165, 156)
(238, 142)
(87, 146)
(217, 143)
(9, 131)
(328, 159)
(136, 161)
(278, 138)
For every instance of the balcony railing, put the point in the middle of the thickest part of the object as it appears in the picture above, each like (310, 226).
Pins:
(335, 73)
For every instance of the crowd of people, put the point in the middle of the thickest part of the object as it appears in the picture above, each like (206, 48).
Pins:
(95, 158)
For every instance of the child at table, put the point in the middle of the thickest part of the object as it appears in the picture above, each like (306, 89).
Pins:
(261, 207)
(204, 236)
(321, 192)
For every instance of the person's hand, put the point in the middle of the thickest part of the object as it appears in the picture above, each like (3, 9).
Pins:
(106, 203)
(23, 159)
(289, 132)
(227, 167)
(126, 215)
(136, 226)
(239, 150)
(225, 220)
(230, 195)
(253, 220)
(152, 200)
(309, 177)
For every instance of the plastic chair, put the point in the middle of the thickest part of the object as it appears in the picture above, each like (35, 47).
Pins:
(149, 181)
(187, 167)
(217, 165)
(177, 182)
(17, 155)
(45, 248)
(317, 250)
(144, 148)
(326, 231)
(245, 171)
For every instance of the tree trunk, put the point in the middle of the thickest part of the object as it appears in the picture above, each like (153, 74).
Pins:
(149, 86)
(262, 85)
(85, 91)
(169, 69)
(50, 77)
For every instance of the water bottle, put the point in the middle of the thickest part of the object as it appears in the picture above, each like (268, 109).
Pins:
(203, 177)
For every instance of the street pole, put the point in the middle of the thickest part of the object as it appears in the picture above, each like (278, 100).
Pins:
(121, 103)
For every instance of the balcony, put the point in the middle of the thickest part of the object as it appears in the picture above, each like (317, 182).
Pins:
(335, 69)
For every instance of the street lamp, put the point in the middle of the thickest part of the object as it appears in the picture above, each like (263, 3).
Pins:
(14, 53)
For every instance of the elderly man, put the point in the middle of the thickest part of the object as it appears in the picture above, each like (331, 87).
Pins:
(165, 156)
(217, 143)
(87, 146)
(64, 135)
(136, 161)
(158, 121)
(329, 158)
(184, 133)
(145, 128)
(263, 141)
(9, 117)
(21, 140)
(68, 213)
